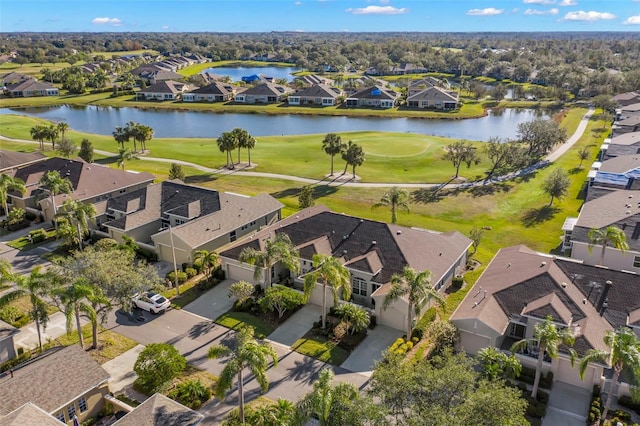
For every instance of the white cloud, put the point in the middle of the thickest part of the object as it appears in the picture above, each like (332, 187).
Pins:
(552, 11)
(539, 1)
(385, 1)
(378, 10)
(298, 3)
(106, 21)
(165, 27)
(590, 16)
(489, 11)
(632, 20)
(568, 3)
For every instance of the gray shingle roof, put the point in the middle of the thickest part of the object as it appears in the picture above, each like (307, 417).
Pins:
(167, 86)
(6, 330)
(160, 411)
(12, 159)
(319, 91)
(433, 93)
(608, 209)
(267, 89)
(375, 92)
(52, 380)
(216, 88)
(631, 138)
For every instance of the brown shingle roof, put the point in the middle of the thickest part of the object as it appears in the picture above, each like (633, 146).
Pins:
(11, 159)
(166, 86)
(375, 92)
(52, 380)
(29, 415)
(609, 209)
(267, 89)
(318, 90)
(160, 411)
(434, 93)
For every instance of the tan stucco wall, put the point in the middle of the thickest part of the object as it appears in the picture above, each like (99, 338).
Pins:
(613, 258)
(7, 349)
(95, 403)
(474, 327)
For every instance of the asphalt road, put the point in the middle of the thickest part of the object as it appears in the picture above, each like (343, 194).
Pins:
(193, 335)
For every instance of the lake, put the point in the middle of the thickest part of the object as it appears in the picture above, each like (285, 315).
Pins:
(236, 73)
(206, 124)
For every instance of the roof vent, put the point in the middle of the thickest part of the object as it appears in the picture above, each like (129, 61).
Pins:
(543, 264)
(374, 242)
(344, 252)
(563, 284)
(398, 232)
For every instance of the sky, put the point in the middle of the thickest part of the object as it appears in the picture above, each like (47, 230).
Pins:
(318, 15)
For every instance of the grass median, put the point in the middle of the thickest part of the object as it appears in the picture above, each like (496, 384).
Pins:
(317, 346)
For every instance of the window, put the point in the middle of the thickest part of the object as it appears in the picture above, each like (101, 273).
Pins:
(636, 261)
(82, 404)
(71, 411)
(253, 222)
(232, 236)
(243, 227)
(359, 286)
(60, 416)
(516, 330)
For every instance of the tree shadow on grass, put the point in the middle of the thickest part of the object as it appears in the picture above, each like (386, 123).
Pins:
(575, 170)
(489, 189)
(319, 191)
(201, 178)
(534, 217)
(427, 195)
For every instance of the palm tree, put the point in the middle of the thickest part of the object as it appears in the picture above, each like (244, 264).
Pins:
(79, 214)
(6, 273)
(39, 133)
(51, 134)
(496, 364)
(62, 128)
(72, 301)
(353, 155)
(332, 144)
(279, 249)
(396, 198)
(125, 155)
(207, 260)
(612, 235)
(244, 140)
(55, 184)
(36, 286)
(330, 273)
(145, 134)
(121, 136)
(548, 338)
(278, 413)
(7, 184)
(247, 353)
(417, 288)
(133, 131)
(324, 399)
(227, 143)
(623, 355)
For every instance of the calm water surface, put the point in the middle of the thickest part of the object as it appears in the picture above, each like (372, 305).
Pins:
(197, 124)
(237, 73)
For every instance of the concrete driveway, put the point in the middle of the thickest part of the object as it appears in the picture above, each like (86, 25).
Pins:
(297, 325)
(213, 303)
(363, 358)
(568, 405)
(121, 369)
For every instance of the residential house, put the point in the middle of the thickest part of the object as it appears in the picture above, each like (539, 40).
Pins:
(13, 159)
(619, 208)
(520, 288)
(627, 98)
(621, 172)
(404, 68)
(172, 217)
(155, 73)
(163, 91)
(371, 251)
(625, 144)
(265, 93)
(372, 97)
(27, 415)
(63, 382)
(417, 86)
(91, 183)
(627, 125)
(31, 87)
(12, 79)
(214, 92)
(7, 346)
(434, 98)
(319, 94)
(159, 410)
(311, 80)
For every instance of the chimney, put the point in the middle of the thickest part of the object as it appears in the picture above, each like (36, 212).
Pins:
(603, 302)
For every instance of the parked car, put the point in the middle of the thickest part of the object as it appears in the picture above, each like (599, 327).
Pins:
(150, 301)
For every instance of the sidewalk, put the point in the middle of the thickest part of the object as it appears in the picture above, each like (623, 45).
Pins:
(56, 327)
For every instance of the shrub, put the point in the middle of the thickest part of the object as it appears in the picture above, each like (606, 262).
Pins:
(443, 334)
(184, 267)
(628, 402)
(8, 365)
(182, 277)
(218, 273)
(156, 366)
(191, 393)
(10, 314)
(622, 415)
(373, 321)
(355, 317)
(38, 235)
(30, 216)
(280, 299)
(427, 318)
(191, 272)
(147, 254)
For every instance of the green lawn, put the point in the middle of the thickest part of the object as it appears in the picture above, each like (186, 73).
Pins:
(317, 346)
(23, 243)
(110, 344)
(235, 320)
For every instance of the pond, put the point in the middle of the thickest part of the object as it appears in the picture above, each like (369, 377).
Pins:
(204, 124)
(236, 73)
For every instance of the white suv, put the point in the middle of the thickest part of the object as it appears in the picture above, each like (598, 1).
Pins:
(150, 301)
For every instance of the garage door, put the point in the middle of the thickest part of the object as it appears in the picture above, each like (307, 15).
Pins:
(240, 273)
(571, 375)
(472, 343)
